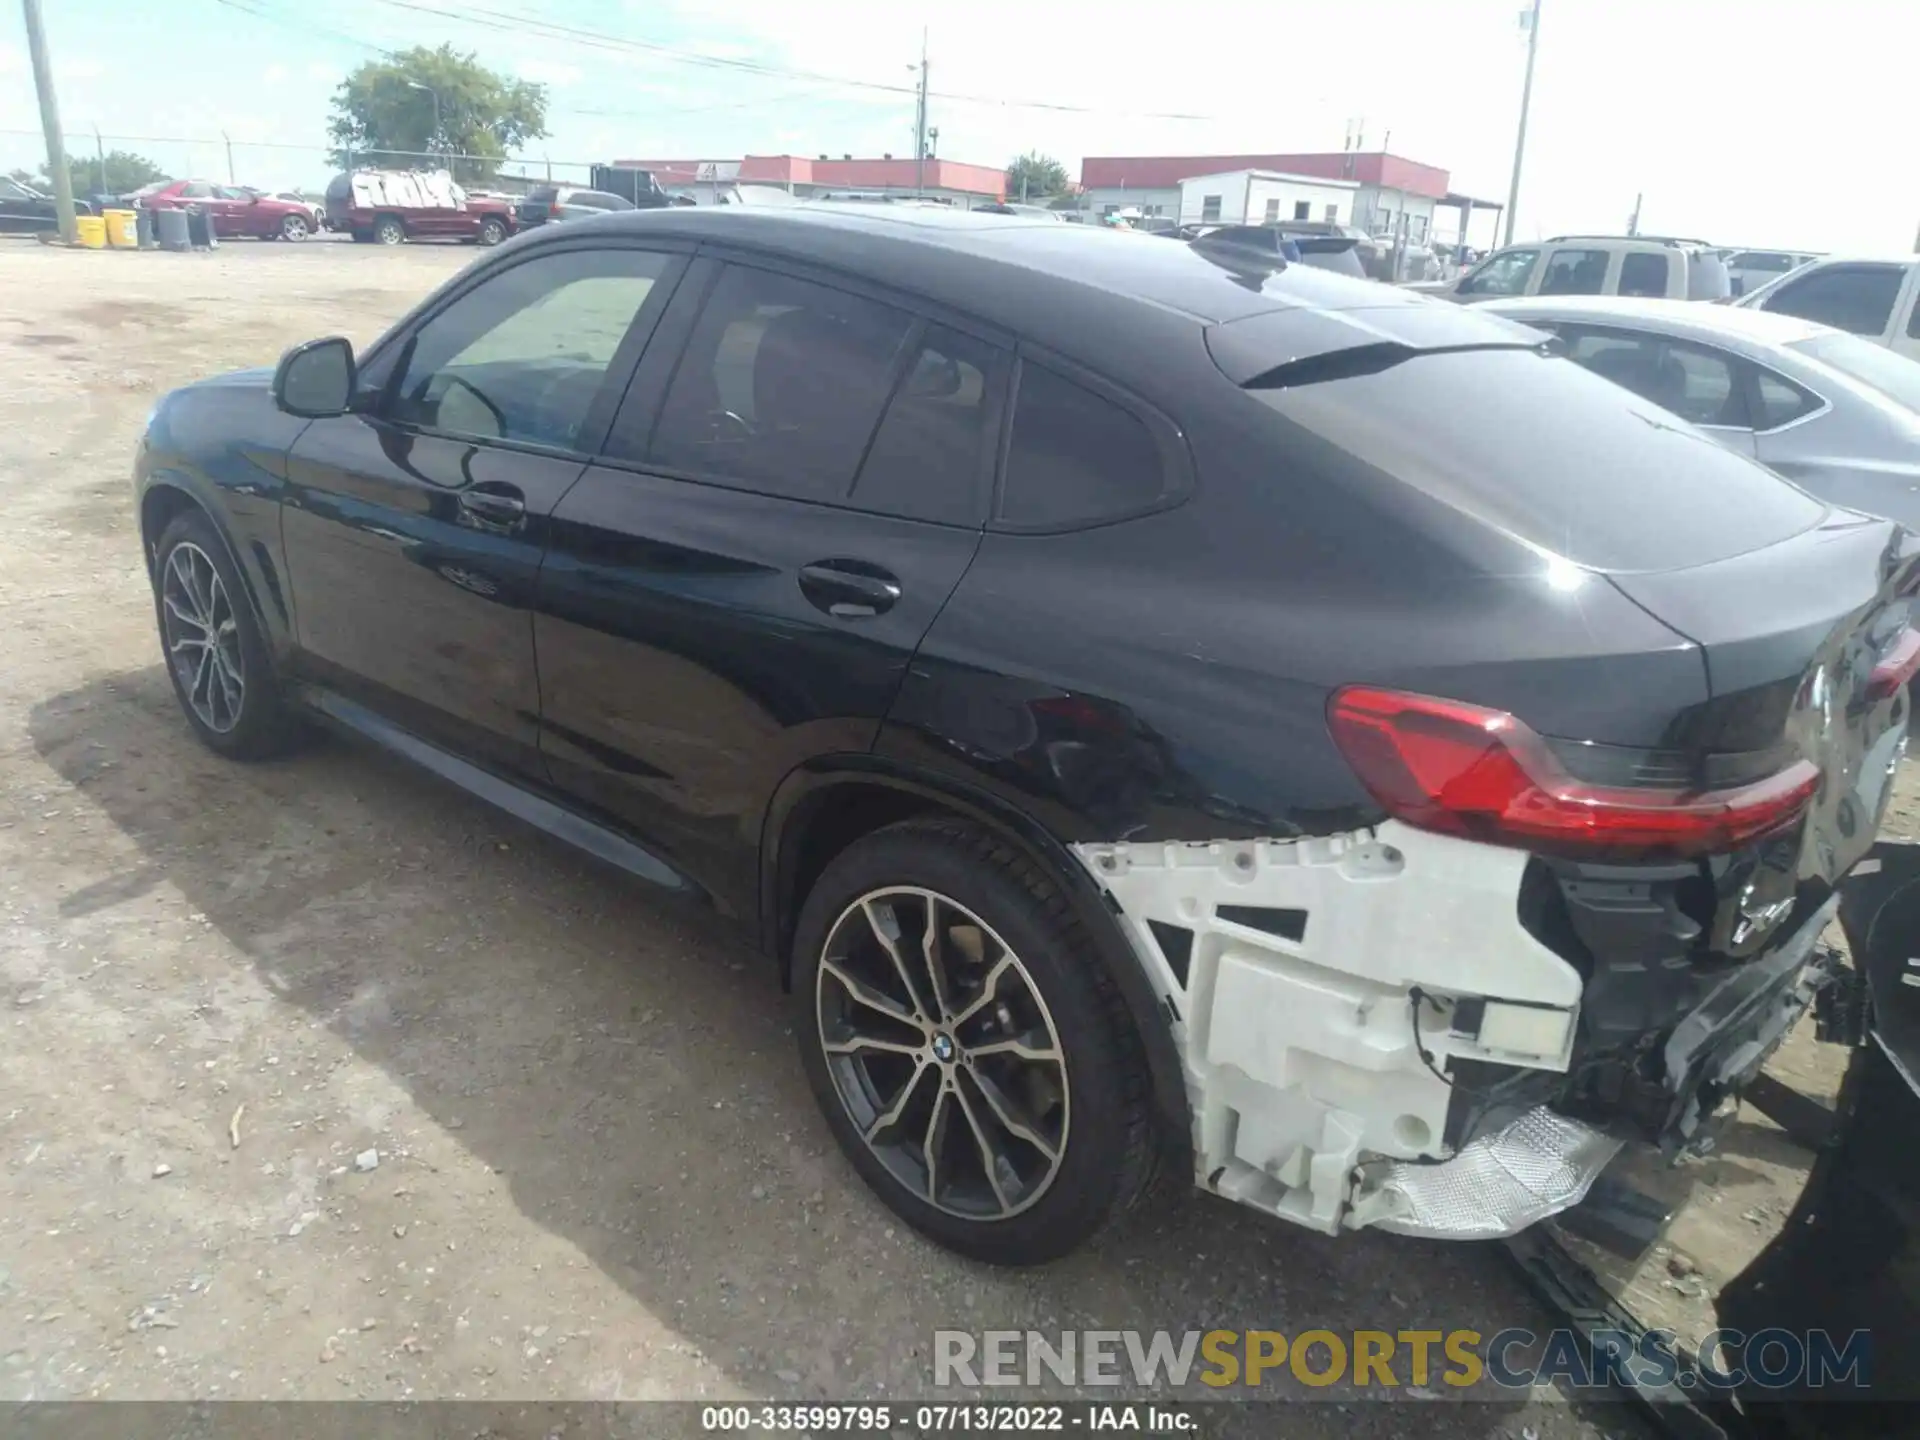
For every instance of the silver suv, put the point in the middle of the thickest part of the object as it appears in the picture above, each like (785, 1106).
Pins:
(1650, 267)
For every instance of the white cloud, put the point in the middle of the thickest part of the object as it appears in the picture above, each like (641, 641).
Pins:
(84, 68)
(274, 74)
(321, 70)
(11, 60)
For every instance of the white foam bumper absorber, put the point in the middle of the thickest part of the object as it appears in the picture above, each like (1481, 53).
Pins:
(1498, 1185)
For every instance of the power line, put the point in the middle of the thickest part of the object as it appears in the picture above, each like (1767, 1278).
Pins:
(520, 23)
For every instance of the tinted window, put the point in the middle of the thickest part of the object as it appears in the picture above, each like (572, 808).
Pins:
(522, 356)
(1855, 298)
(781, 385)
(1913, 319)
(1696, 384)
(12, 190)
(1780, 401)
(1538, 447)
(1575, 272)
(1642, 273)
(933, 453)
(1075, 457)
(197, 190)
(1209, 207)
(1502, 274)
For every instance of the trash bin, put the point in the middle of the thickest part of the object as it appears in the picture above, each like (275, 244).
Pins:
(200, 228)
(143, 224)
(122, 228)
(90, 231)
(172, 228)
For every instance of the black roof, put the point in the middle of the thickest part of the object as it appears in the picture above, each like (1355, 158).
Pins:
(937, 250)
(1127, 303)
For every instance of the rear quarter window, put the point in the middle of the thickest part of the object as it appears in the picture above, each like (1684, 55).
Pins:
(1078, 457)
(1562, 459)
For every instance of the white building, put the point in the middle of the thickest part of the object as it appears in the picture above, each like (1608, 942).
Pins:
(1260, 197)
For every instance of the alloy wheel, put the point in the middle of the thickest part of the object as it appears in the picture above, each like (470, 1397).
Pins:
(943, 1053)
(294, 228)
(202, 636)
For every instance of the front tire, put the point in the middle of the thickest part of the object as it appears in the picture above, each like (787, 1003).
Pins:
(492, 231)
(974, 1060)
(295, 227)
(211, 643)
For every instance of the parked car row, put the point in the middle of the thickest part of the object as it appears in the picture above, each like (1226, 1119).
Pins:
(1334, 744)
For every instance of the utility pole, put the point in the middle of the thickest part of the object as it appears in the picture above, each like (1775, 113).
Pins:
(50, 121)
(920, 126)
(1531, 19)
(1633, 225)
(100, 154)
(230, 176)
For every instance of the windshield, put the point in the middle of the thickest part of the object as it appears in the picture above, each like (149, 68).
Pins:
(16, 190)
(1875, 366)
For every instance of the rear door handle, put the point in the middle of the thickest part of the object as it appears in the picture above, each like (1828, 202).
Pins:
(493, 503)
(848, 589)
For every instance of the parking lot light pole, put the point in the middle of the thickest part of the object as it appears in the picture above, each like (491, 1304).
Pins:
(57, 172)
(416, 85)
(1532, 21)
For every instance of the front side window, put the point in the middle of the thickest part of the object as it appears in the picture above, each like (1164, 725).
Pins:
(1575, 272)
(523, 355)
(1075, 457)
(1855, 298)
(196, 190)
(781, 385)
(1209, 208)
(1502, 274)
(1643, 273)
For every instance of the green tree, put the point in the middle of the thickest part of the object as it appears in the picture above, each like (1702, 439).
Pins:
(1034, 177)
(418, 103)
(124, 172)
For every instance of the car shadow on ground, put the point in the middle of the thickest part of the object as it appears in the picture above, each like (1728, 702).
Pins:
(631, 1075)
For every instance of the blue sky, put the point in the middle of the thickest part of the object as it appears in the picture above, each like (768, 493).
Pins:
(1750, 123)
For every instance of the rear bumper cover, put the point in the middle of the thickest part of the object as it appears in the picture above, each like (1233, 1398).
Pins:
(1370, 1036)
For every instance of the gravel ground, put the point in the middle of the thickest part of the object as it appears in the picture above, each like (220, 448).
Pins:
(322, 1081)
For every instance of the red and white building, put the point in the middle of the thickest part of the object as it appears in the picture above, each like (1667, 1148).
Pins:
(886, 178)
(1386, 188)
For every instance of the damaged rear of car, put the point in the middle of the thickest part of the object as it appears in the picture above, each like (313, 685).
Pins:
(1509, 739)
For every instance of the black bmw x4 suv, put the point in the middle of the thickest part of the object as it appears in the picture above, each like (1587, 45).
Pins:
(1155, 706)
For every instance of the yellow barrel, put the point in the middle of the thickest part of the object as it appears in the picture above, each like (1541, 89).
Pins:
(90, 231)
(123, 231)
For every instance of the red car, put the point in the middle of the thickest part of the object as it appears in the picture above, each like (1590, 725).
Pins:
(236, 210)
(386, 207)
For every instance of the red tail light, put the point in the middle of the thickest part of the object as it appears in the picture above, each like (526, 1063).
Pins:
(1899, 665)
(1483, 775)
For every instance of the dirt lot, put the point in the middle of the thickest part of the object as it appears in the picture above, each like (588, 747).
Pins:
(598, 1172)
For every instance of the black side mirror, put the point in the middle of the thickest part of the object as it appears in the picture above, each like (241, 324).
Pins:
(316, 380)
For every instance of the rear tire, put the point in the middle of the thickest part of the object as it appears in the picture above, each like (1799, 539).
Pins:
(492, 230)
(363, 237)
(212, 646)
(1020, 1049)
(389, 230)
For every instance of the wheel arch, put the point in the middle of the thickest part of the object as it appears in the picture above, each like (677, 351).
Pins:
(824, 806)
(169, 494)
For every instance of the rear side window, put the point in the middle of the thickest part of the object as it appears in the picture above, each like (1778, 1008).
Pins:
(1855, 298)
(1575, 272)
(932, 458)
(1075, 457)
(781, 385)
(1781, 401)
(1539, 448)
(1696, 384)
(1642, 273)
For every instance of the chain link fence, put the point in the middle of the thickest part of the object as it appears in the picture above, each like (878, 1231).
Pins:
(270, 165)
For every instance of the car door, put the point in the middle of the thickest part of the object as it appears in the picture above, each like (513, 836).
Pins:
(1860, 297)
(794, 485)
(414, 528)
(1702, 384)
(1573, 270)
